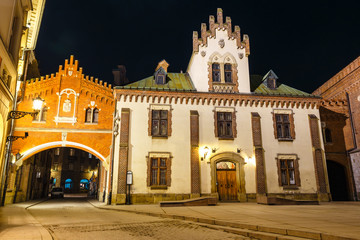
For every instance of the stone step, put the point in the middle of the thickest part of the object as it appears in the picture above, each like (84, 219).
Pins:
(201, 201)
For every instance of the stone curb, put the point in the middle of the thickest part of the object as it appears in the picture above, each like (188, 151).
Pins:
(285, 232)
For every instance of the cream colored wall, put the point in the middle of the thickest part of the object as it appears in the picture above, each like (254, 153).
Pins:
(179, 146)
(198, 66)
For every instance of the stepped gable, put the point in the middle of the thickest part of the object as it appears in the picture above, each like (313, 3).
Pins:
(221, 26)
(70, 71)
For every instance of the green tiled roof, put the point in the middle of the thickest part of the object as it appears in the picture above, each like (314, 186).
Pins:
(174, 82)
(282, 89)
(258, 85)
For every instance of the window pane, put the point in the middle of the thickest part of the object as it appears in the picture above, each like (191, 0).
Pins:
(163, 128)
(290, 163)
(155, 127)
(88, 115)
(278, 117)
(284, 177)
(154, 162)
(292, 177)
(228, 129)
(216, 72)
(96, 115)
(228, 66)
(216, 66)
(282, 164)
(286, 130)
(163, 162)
(228, 116)
(220, 116)
(163, 177)
(164, 114)
(154, 176)
(155, 114)
(285, 118)
(279, 130)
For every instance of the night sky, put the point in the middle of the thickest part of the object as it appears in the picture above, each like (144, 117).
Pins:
(304, 42)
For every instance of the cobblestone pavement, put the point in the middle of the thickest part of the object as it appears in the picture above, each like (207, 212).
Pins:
(77, 219)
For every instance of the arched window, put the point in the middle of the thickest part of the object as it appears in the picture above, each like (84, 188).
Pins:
(88, 115)
(95, 115)
(43, 114)
(328, 138)
(68, 183)
(84, 184)
(228, 72)
(216, 72)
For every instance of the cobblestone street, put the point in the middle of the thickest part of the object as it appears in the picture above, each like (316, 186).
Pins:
(77, 219)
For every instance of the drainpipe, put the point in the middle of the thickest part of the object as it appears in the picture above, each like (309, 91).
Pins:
(111, 170)
(354, 143)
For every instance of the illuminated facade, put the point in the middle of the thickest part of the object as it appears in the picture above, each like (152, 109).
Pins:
(213, 131)
(340, 118)
(77, 113)
(19, 27)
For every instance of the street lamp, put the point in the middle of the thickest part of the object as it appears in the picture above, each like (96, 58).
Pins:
(37, 105)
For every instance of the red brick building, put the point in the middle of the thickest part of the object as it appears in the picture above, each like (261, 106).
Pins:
(77, 112)
(340, 116)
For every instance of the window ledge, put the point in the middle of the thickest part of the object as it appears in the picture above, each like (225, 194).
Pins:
(226, 138)
(159, 137)
(290, 187)
(87, 123)
(224, 83)
(285, 139)
(159, 187)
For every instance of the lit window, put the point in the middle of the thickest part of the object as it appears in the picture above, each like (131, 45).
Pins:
(68, 183)
(288, 170)
(158, 171)
(44, 113)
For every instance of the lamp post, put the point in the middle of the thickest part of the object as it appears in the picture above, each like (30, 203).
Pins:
(37, 105)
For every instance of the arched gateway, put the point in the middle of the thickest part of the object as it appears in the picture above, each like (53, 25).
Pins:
(77, 113)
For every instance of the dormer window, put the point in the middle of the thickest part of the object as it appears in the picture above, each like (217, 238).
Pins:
(228, 73)
(160, 79)
(271, 83)
(216, 72)
(270, 80)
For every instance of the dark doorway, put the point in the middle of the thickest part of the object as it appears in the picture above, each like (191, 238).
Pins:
(337, 180)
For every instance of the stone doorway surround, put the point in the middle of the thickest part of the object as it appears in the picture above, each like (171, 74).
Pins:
(240, 172)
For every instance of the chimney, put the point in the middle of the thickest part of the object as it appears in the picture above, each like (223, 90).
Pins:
(120, 78)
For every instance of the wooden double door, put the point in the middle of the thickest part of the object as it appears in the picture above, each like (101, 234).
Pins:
(226, 184)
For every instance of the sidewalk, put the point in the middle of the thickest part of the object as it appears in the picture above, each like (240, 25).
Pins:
(17, 223)
(335, 220)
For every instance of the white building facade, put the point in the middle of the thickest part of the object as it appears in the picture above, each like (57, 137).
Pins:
(214, 132)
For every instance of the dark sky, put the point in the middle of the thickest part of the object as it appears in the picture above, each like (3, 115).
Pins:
(304, 42)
